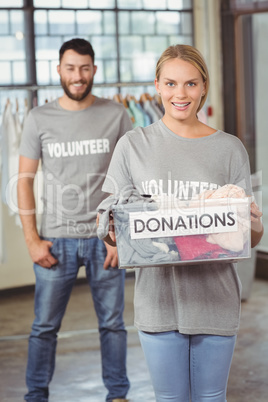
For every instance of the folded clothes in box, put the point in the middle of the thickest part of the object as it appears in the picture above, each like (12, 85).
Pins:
(203, 230)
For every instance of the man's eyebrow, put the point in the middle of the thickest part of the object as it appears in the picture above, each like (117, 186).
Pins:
(73, 65)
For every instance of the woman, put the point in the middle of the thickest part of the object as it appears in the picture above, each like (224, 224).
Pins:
(187, 316)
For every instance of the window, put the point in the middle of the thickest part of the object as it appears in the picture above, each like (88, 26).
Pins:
(12, 54)
(128, 37)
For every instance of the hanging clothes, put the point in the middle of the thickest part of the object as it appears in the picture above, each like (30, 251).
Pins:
(155, 107)
(8, 126)
(118, 98)
(137, 113)
(146, 117)
(18, 124)
(159, 104)
(11, 134)
(147, 105)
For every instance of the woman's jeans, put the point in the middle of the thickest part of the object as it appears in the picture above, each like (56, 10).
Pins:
(52, 293)
(187, 368)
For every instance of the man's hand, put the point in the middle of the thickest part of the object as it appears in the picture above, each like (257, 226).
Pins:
(40, 253)
(111, 258)
(39, 249)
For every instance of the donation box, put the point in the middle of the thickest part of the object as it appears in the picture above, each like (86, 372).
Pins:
(151, 234)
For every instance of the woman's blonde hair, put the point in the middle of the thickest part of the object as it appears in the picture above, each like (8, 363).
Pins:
(192, 56)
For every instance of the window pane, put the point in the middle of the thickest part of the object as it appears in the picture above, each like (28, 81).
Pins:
(42, 72)
(143, 22)
(76, 4)
(4, 22)
(156, 44)
(130, 45)
(106, 72)
(186, 23)
(130, 4)
(12, 49)
(139, 68)
(5, 76)
(104, 46)
(16, 19)
(65, 38)
(47, 3)
(11, 3)
(109, 22)
(110, 70)
(40, 21)
(144, 67)
(47, 47)
(89, 22)
(99, 76)
(155, 4)
(168, 22)
(187, 3)
(61, 22)
(124, 22)
(102, 4)
(126, 71)
(179, 4)
(19, 72)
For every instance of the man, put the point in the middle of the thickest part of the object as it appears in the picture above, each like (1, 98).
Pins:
(74, 136)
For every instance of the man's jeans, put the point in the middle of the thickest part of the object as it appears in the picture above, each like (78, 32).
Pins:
(52, 292)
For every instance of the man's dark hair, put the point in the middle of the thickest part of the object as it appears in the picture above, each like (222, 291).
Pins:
(79, 45)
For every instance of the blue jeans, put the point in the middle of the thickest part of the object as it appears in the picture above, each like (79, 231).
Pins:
(187, 368)
(52, 292)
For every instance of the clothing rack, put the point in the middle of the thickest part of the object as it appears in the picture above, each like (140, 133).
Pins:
(35, 93)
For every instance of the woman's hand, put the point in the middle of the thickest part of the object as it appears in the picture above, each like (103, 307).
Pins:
(110, 238)
(111, 228)
(256, 224)
(255, 212)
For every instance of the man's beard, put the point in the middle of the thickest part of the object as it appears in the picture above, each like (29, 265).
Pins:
(77, 97)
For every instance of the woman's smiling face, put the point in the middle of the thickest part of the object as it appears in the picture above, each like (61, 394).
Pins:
(181, 87)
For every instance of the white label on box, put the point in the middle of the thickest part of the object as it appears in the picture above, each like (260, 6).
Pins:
(159, 223)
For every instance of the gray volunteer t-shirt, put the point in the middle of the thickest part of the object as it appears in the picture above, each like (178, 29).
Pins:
(193, 299)
(75, 148)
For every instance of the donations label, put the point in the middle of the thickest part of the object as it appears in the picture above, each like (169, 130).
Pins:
(160, 223)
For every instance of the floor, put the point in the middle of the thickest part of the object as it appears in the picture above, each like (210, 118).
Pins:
(77, 377)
